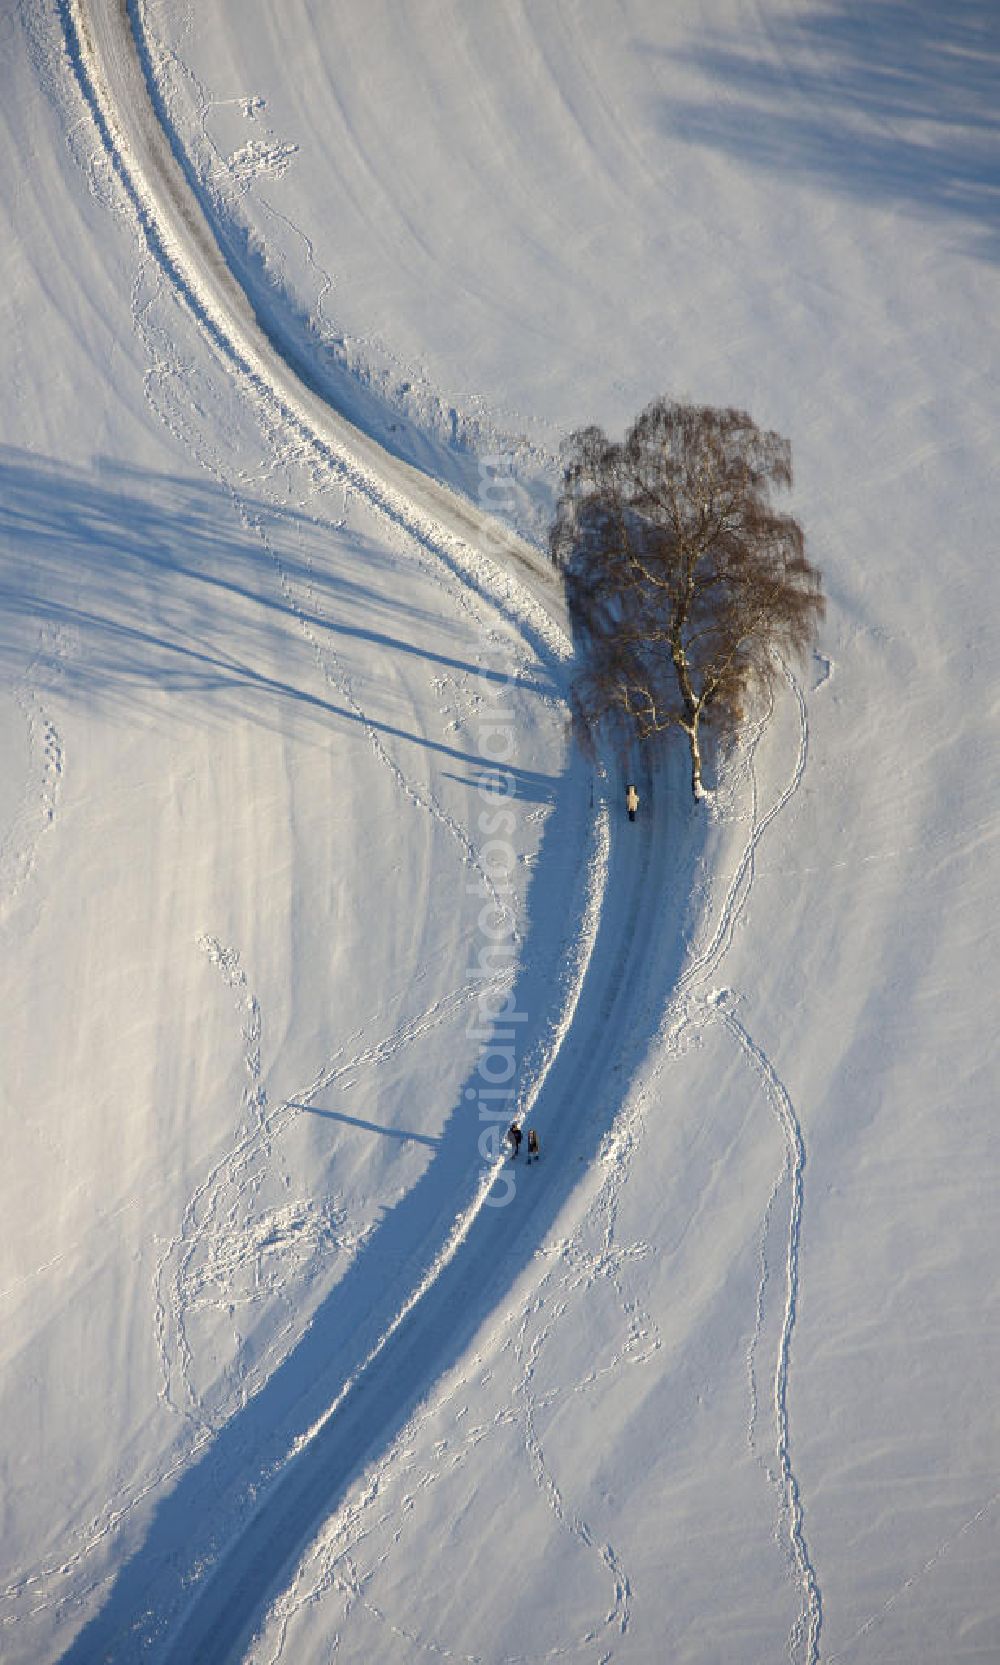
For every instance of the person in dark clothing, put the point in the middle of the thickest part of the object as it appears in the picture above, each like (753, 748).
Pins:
(514, 1135)
(533, 1152)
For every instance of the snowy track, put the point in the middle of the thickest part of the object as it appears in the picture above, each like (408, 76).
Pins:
(474, 1262)
(483, 1251)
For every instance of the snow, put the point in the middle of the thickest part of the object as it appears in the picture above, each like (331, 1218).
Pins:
(279, 1382)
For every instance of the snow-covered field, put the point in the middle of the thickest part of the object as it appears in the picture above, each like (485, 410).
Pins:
(297, 301)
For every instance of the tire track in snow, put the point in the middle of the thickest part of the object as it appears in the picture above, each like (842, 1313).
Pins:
(204, 1629)
(328, 1551)
(481, 524)
(274, 1537)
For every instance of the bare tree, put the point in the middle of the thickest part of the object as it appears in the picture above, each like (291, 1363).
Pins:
(684, 584)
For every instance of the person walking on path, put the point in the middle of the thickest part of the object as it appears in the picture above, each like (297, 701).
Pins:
(631, 801)
(533, 1151)
(514, 1135)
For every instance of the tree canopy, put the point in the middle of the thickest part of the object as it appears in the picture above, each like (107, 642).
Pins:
(685, 586)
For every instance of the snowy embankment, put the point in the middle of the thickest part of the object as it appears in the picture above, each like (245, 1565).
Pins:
(718, 1383)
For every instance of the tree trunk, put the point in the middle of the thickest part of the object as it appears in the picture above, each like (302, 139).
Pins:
(691, 730)
(692, 705)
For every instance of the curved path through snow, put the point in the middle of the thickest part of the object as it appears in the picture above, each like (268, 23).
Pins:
(480, 1252)
(469, 1280)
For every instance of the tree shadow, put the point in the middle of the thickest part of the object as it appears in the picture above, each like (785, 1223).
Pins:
(161, 586)
(894, 101)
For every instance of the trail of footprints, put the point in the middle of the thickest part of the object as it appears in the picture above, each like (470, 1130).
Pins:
(234, 1250)
(36, 811)
(382, 1512)
(695, 1005)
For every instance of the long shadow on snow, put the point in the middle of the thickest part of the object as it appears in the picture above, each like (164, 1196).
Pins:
(895, 102)
(148, 572)
(220, 1545)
